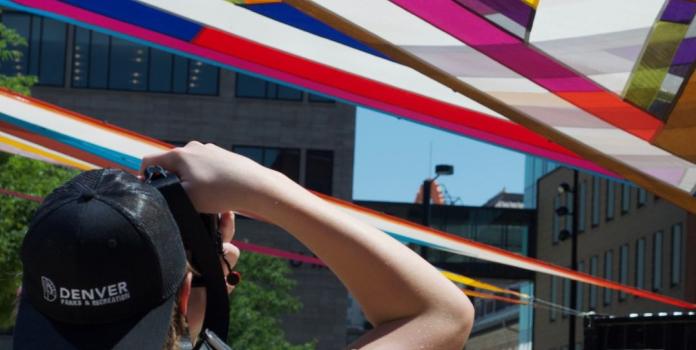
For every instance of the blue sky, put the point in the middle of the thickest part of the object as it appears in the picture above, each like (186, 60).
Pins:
(392, 158)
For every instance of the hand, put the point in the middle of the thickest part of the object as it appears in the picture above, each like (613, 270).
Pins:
(215, 179)
(230, 251)
(195, 314)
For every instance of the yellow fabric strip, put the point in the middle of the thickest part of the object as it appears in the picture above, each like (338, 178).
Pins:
(475, 294)
(655, 61)
(470, 282)
(45, 154)
(531, 3)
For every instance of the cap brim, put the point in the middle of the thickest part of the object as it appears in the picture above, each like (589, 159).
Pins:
(33, 330)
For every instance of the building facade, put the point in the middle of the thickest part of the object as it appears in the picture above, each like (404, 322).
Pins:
(625, 234)
(176, 99)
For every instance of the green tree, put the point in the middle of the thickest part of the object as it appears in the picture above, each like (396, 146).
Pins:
(259, 301)
(26, 176)
(9, 42)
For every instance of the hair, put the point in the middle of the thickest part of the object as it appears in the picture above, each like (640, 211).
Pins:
(178, 327)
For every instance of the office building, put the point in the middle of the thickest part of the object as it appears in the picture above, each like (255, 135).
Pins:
(176, 99)
(625, 234)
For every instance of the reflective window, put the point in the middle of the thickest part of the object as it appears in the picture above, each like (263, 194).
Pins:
(676, 256)
(252, 87)
(595, 201)
(553, 288)
(319, 171)
(318, 98)
(44, 55)
(566, 296)
(623, 269)
(640, 264)
(625, 198)
(104, 62)
(284, 160)
(610, 200)
(608, 274)
(642, 197)
(657, 261)
(593, 288)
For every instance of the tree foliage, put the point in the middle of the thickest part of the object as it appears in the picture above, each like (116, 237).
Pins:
(259, 301)
(9, 42)
(25, 176)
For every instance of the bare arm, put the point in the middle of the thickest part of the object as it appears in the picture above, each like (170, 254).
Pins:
(410, 303)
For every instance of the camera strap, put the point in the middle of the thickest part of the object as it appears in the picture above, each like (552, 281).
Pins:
(200, 238)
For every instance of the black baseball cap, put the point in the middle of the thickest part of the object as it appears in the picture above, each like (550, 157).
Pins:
(103, 261)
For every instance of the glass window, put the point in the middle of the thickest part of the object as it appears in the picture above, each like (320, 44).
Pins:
(284, 160)
(593, 288)
(676, 256)
(625, 198)
(128, 68)
(319, 171)
(642, 197)
(52, 52)
(580, 303)
(44, 54)
(640, 263)
(180, 75)
(566, 296)
(21, 23)
(251, 87)
(623, 269)
(203, 78)
(99, 60)
(161, 66)
(318, 98)
(595, 201)
(608, 274)
(104, 62)
(582, 203)
(657, 261)
(248, 86)
(288, 93)
(554, 287)
(554, 219)
(610, 199)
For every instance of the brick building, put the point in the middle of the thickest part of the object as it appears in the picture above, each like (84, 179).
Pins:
(309, 138)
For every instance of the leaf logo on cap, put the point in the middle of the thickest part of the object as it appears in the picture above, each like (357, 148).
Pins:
(49, 289)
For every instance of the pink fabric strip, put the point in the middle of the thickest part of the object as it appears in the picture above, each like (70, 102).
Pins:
(277, 253)
(81, 15)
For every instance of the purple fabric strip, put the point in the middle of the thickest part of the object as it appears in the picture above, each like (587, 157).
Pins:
(477, 6)
(680, 11)
(686, 53)
(516, 10)
(499, 45)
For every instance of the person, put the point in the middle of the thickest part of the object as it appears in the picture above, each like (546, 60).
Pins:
(409, 303)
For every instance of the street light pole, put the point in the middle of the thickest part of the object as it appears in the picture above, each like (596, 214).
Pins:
(574, 258)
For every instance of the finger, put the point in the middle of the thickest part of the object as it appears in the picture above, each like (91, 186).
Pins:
(231, 253)
(168, 160)
(227, 226)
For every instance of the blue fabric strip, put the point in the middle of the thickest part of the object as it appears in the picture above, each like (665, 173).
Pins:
(291, 16)
(143, 16)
